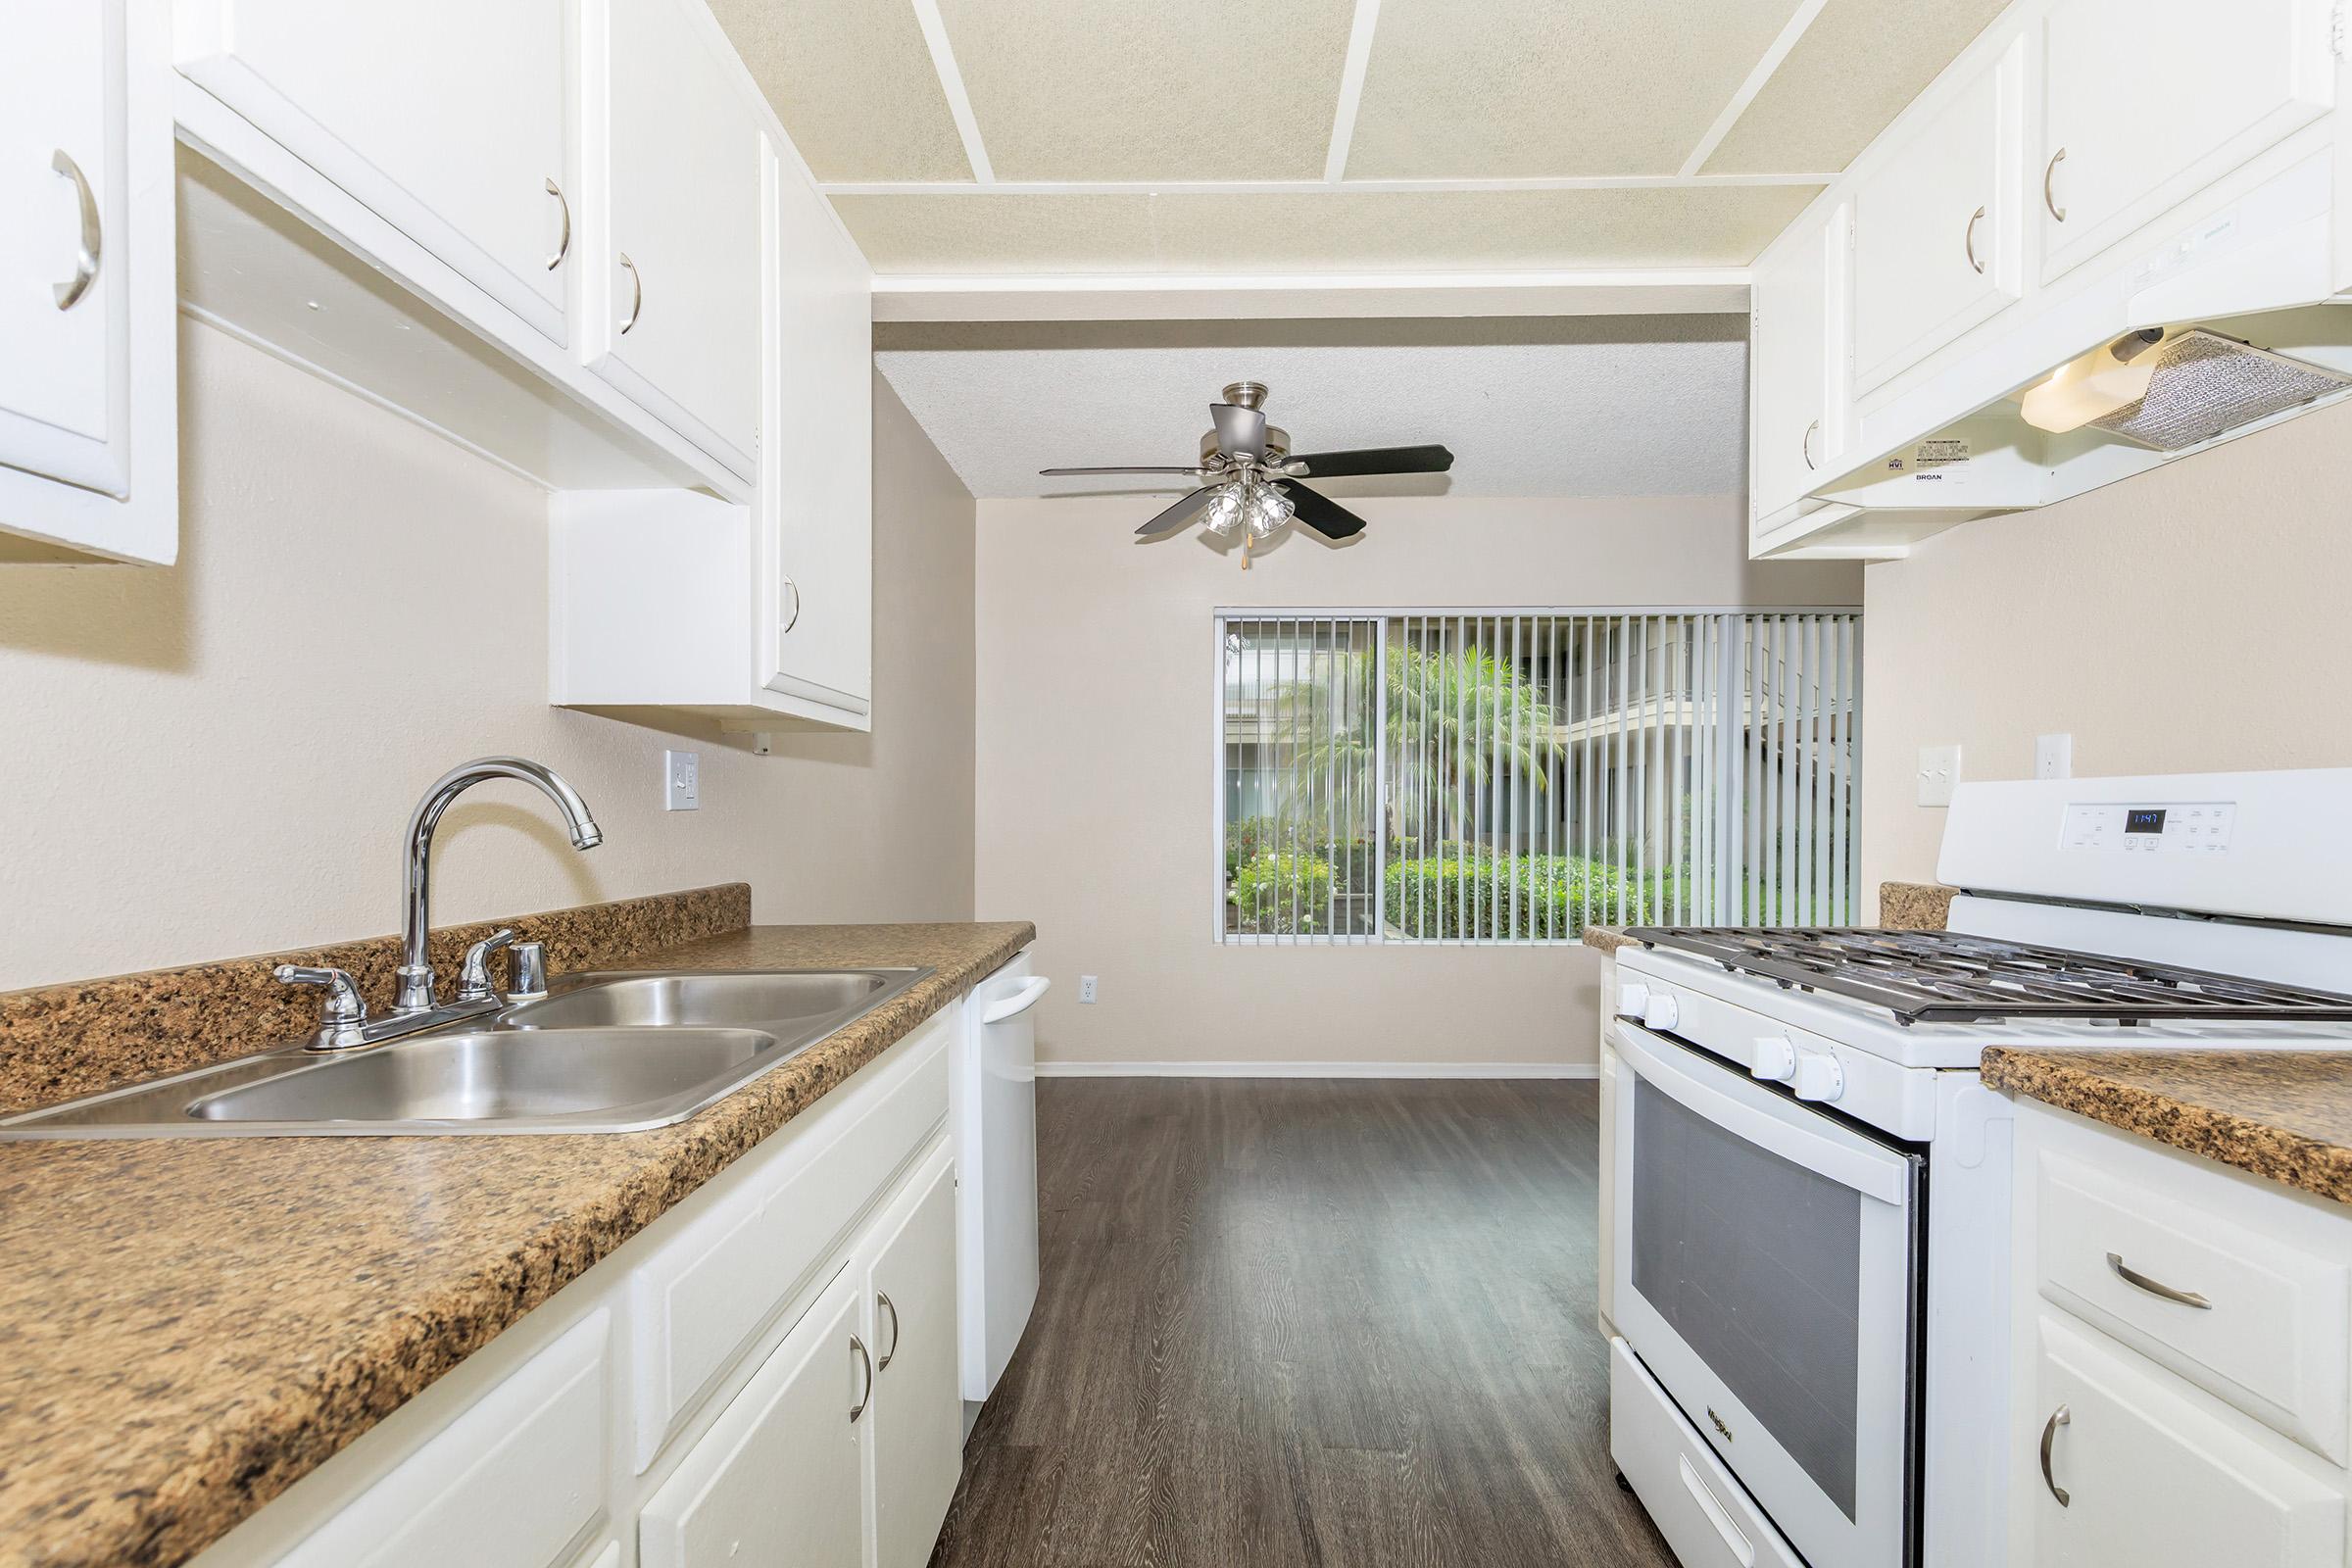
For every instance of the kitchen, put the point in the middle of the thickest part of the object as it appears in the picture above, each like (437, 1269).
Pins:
(1854, 468)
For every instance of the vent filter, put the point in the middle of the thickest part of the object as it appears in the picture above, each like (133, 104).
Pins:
(2206, 383)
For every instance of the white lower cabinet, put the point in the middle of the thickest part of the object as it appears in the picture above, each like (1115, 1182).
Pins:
(914, 1454)
(777, 1479)
(2140, 1474)
(765, 1376)
(2179, 1339)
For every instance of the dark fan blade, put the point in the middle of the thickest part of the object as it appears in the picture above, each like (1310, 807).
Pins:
(1240, 432)
(1320, 512)
(1375, 460)
(1177, 515)
(1059, 471)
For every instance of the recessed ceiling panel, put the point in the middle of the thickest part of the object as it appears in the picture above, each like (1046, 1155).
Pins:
(1855, 69)
(1720, 226)
(1211, 89)
(1547, 87)
(852, 81)
(1626, 405)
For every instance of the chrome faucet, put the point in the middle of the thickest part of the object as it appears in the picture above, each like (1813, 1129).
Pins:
(414, 993)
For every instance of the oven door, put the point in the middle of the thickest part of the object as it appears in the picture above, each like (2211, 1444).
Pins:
(1769, 1273)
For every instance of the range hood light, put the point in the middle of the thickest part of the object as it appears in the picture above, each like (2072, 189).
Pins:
(2112, 376)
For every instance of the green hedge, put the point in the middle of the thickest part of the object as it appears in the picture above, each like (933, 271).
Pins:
(1275, 894)
(1468, 893)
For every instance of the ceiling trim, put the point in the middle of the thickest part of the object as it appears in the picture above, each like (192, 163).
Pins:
(951, 82)
(1305, 187)
(1180, 297)
(1351, 89)
(1761, 74)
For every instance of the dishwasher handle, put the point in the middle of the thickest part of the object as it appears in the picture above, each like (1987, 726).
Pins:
(1020, 1001)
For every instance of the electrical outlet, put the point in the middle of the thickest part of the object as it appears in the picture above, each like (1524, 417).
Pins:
(2053, 756)
(1938, 771)
(681, 781)
(1086, 988)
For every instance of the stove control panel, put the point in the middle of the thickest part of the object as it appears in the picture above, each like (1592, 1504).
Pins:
(2193, 827)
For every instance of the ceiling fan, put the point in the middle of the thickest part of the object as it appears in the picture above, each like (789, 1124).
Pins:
(1249, 479)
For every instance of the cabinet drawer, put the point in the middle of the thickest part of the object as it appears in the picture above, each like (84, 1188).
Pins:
(2119, 1240)
(724, 1276)
(1697, 1505)
(2152, 1478)
(517, 1481)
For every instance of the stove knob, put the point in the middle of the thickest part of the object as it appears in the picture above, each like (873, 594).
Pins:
(1775, 1060)
(1633, 996)
(1661, 1012)
(1819, 1076)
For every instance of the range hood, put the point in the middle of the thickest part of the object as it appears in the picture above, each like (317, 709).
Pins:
(2238, 321)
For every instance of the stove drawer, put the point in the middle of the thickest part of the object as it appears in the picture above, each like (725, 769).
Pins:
(1697, 1505)
(2240, 1286)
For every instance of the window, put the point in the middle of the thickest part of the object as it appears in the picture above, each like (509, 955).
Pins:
(1514, 776)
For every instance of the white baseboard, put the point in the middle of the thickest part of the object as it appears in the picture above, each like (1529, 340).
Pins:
(1318, 1069)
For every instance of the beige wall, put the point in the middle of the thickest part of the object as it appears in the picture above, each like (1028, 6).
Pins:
(1095, 769)
(2189, 619)
(219, 758)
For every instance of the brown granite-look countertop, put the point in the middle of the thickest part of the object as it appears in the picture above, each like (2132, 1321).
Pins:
(2283, 1115)
(1902, 907)
(190, 1326)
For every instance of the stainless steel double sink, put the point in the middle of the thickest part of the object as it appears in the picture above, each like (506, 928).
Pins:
(602, 1053)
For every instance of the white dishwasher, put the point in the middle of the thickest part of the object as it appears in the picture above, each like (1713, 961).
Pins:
(993, 1109)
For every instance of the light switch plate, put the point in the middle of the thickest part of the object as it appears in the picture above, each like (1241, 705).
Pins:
(681, 781)
(1938, 771)
(2053, 756)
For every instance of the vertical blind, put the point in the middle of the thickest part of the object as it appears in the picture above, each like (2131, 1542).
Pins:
(1513, 777)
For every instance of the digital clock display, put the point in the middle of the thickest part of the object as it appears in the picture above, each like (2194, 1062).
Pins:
(2149, 819)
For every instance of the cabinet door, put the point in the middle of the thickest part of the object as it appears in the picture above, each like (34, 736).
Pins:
(447, 119)
(778, 1480)
(674, 152)
(2146, 102)
(65, 373)
(1935, 225)
(816, 482)
(2154, 1478)
(917, 1442)
(1798, 379)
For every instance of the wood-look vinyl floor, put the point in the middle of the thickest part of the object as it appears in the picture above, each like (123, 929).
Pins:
(1306, 1322)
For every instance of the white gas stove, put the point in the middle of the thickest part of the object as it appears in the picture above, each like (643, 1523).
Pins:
(1811, 1187)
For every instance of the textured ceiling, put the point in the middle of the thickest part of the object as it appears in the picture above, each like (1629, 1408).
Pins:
(1593, 406)
(994, 137)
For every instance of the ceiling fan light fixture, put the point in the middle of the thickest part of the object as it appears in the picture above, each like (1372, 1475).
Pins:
(1225, 512)
(1269, 510)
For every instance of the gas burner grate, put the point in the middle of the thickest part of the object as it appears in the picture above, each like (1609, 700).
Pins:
(1948, 977)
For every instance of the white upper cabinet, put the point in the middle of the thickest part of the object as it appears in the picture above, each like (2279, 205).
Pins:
(1798, 354)
(816, 494)
(1936, 224)
(2146, 102)
(88, 455)
(674, 199)
(448, 119)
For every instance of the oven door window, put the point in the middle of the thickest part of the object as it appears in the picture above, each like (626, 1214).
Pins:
(1755, 1261)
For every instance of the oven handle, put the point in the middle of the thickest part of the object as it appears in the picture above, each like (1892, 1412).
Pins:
(1873, 1173)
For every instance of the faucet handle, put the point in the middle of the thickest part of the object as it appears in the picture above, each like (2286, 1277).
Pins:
(473, 980)
(343, 1005)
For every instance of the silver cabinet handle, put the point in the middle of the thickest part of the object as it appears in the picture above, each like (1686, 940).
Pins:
(637, 301)
(2050, 1435)
(1806, 445)
(868, 1397)
(1970, 242)
(883, 1301)
(2049, 198)
(563, 245)
(2156, 1287)
(86, 256)
(792, 620)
